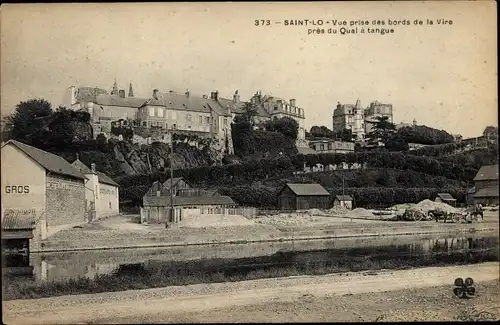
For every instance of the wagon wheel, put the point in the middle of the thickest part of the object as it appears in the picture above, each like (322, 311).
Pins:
(456, 218)
(417, 216)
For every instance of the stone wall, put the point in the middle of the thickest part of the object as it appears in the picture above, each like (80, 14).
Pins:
(65, 200)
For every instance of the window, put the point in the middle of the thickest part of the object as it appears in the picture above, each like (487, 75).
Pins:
(160, 112)
(151, 111)
(109, 205)
(200, 119)
(174, 126)
(189, 126)
(321, 147)
(144, 123)
(225, 121)
(275, 108)
(207, 119)
(377, 110)
(189, 117)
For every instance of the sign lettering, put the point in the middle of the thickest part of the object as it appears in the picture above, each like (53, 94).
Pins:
(17, 189)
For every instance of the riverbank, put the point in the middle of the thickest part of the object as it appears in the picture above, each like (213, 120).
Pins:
(416, 294)
(120, 233)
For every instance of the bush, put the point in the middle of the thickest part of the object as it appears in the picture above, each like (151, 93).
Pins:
(424, 135)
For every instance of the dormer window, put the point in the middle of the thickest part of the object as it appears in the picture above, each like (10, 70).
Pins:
(275, 108)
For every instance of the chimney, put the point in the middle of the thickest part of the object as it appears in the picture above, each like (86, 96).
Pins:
(92, 167)
(155, 93)
(205, 97)
(292, 102)
(122, 93)
(414, 121)
(236, 97)
(216, 95)
(187, 93)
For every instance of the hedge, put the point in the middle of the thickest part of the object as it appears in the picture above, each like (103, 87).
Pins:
(261, 196)
(285, 167)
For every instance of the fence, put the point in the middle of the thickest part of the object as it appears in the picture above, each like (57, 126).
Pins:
(240, 211)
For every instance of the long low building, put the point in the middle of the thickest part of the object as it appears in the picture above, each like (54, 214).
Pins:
(44, 182)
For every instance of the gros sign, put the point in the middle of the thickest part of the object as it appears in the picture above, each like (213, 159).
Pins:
(17, 189)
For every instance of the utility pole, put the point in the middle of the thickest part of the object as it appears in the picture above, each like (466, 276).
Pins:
(171, 214)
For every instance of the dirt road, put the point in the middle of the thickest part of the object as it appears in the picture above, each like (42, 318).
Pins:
(279, 299)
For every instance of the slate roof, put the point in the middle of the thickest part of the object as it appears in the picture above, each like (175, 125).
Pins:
(114, 100)
(181, 102)
(487, 192)
(103, 178)
(175, 180)
(49, 161)
(187, 200)
(343, 197)
(307, 189)
(488, 172)
(446, 197)
(15, 219)
(89, 94)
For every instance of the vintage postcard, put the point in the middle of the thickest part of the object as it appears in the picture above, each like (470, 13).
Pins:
(249, 162)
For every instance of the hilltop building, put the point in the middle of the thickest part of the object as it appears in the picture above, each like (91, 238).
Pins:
(358, 119)
(153, 117)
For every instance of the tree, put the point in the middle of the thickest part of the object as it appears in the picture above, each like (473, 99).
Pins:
(425, 135)
(242, 134)
(29, 121)
(345, 135)
(396, 143)
(285, 125)
(490, 130)
(249, 112)
(321, 132)
(382, 131)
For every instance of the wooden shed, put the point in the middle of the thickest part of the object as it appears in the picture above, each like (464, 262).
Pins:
(156, 209)
(446, 198)
(303, 197)
(17, 231)
(344, 201)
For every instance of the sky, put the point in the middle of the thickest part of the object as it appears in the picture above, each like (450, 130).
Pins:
(444, 76)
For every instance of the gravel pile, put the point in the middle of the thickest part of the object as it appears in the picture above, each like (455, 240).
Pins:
(427, 205)
(361, 213)
(338, 210)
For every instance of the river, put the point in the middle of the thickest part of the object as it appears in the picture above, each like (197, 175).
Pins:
(345, 254)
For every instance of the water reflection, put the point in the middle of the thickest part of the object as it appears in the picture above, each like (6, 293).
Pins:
(336, 253)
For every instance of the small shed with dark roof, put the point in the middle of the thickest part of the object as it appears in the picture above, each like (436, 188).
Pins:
(303, 197)
(344, 201)
(446, 198)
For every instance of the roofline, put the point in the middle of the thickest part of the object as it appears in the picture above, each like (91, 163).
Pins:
(46, 170)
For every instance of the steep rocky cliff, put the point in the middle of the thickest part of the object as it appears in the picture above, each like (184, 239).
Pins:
(123, 158)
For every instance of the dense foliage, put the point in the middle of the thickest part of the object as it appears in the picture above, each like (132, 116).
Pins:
(383, 131)
(322, 132)
(253, 144)
(369, 197)
(424, 135)
(35, 123)
(285, 125)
